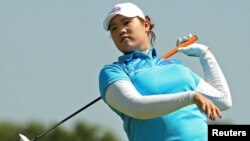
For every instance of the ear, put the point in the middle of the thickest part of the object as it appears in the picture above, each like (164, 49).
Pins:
(147, 25)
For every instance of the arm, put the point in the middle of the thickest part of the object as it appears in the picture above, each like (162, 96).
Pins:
(215, 86)
(124, 97)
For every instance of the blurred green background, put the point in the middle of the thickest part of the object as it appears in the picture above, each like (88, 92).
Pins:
(80, 131)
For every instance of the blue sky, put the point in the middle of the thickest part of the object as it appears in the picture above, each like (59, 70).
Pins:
(51, 52)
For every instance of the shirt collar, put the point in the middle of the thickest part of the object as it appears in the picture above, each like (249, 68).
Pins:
(138, 54)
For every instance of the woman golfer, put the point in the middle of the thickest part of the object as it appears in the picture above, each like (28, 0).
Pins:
(159, 99)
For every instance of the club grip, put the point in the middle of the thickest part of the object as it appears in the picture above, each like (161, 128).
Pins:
(190, 41)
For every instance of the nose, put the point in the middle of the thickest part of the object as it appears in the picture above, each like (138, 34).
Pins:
(122, 31)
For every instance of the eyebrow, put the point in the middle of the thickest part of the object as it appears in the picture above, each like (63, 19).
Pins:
(123, 19)
(110, 25)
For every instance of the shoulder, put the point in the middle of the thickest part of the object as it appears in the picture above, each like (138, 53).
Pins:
(114, 70)
(109, 74)
(110, 67)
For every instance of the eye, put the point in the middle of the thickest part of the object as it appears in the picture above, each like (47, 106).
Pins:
(126, 22)
(113, 28)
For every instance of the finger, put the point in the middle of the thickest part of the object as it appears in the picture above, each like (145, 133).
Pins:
(182, 39)
(218, 112)
(209, 114)
(207, 111)
(203, 108)
(213, 113)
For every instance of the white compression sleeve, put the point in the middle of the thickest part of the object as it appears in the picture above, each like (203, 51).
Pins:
(123, 96)
(215, 88)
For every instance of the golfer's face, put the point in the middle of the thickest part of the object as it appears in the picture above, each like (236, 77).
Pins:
(129, 34)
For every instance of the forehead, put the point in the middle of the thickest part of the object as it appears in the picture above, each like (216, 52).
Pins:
(117, 18)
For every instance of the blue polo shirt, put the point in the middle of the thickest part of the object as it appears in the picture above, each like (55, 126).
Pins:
(153, 75)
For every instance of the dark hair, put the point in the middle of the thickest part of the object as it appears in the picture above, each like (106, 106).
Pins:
(151, 32)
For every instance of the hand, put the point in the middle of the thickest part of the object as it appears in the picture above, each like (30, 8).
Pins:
(207, 106)
(195, 49)
(183, 39)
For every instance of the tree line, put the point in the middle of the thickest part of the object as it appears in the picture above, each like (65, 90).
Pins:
(80, 131)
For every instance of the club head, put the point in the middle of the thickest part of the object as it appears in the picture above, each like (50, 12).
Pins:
(23, 138)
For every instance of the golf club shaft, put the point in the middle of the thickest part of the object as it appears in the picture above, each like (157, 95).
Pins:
(56, 125)
(191, 40)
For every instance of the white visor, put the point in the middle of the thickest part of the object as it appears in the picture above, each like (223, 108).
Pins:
(125, 9)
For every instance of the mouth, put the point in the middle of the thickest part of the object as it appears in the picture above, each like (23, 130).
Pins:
(124, 38)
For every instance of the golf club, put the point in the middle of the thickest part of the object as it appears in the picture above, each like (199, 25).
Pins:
(181, 42)
(23, 138)
(189, 40)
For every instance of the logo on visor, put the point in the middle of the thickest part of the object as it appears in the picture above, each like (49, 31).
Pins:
(115, 9)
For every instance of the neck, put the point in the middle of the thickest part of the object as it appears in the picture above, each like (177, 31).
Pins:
(145, 47)
(146, 51)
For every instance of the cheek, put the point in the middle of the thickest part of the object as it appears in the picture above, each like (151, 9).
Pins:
(114, 38)
(139, 30)
(140, 34)
(116, 42)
